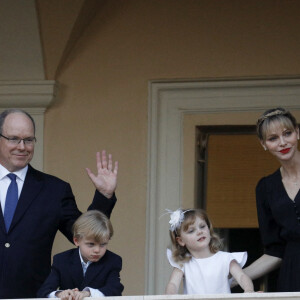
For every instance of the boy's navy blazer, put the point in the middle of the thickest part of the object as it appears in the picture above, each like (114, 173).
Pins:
(67, 273)
(46, 204)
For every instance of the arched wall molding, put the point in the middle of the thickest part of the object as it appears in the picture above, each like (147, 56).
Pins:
(34, 97)
(168, 103)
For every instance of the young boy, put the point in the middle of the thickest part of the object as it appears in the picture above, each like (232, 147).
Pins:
(91, 271)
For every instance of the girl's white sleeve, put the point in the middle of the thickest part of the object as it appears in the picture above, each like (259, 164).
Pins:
(240, 257)
(172, 262)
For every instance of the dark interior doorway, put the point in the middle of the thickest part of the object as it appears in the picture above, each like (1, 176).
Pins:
(249, 239)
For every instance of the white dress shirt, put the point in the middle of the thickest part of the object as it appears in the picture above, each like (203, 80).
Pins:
(5, 182)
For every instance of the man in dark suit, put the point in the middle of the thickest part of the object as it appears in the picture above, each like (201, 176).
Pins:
(45, 205)
(91, 270)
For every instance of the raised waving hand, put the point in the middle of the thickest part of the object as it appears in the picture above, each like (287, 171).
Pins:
(105, 180)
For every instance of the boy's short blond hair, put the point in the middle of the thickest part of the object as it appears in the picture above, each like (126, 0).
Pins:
(93, 224)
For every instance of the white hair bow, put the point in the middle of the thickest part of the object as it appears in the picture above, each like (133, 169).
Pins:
(176, 218)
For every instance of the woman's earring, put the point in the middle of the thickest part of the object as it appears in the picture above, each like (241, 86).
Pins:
(265, 148)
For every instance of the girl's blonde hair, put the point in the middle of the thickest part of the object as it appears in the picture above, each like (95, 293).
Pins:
(181, 253)
(280, 115)
(93, 224)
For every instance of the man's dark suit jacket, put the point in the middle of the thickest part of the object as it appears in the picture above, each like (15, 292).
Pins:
(67, 273)
(46, 204)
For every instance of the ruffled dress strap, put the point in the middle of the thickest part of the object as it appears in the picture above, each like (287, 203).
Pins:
(172, 262)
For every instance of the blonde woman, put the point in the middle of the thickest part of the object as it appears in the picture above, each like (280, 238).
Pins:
(278, 201)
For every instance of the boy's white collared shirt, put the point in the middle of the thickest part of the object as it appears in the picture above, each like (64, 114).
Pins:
(94, 292)
(83, 263)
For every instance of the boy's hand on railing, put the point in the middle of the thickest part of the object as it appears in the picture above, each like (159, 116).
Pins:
(65, 295)
(79, 295)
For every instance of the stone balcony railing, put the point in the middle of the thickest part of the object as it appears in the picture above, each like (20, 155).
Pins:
(250, 296)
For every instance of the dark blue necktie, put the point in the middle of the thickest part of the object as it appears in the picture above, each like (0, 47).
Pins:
(11, 201)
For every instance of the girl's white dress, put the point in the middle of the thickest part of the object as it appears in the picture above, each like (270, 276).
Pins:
(208, 275)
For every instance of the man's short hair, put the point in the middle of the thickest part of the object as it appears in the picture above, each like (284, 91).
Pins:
(9, 111)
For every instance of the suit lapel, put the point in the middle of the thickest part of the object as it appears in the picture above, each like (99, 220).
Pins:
(2, 223)
(32, 186)
(92, 271)
(76, 272)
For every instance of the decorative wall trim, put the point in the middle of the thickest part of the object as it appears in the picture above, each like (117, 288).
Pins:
(34, 97)
(38, 94)
(168, 103)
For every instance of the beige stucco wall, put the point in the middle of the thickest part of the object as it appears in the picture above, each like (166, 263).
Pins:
(103, 102)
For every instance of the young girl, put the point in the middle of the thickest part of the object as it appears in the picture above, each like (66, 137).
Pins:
(197, 259)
